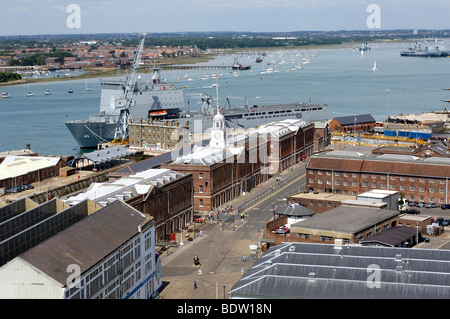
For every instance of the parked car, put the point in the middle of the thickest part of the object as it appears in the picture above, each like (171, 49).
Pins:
(284, 228)
(431, 205)
(446, 222)
(198, 219)
(412, 204)
(27, 186)
(279, 231)
(413, 211)
(424, 239)
(439, 221)
(445, 206)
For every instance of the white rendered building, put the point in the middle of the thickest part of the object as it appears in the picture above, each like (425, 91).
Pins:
(108, 254)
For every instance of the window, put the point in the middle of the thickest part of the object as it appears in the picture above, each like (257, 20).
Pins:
(421, 189)
(411, 188)
(200, 175)
(326, 238)
(200, 203)
(200, 189)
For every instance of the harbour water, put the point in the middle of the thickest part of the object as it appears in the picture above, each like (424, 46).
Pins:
(341, 78)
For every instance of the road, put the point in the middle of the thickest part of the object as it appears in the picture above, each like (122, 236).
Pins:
(222, 250)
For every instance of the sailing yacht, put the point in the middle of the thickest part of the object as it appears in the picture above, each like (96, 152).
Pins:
(47, 91)
(29, 94)
(87, 88)
(374, 69)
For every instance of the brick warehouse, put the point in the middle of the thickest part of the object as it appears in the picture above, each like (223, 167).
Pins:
(417, 179)
(233, 165)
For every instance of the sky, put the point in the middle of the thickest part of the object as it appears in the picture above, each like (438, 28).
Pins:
(29, 17)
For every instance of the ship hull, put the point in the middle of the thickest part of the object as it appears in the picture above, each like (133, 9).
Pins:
(90, 134)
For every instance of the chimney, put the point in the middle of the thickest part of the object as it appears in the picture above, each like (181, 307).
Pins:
(28, 147)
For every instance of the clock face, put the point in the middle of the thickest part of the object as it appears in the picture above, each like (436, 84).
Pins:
(217, 135)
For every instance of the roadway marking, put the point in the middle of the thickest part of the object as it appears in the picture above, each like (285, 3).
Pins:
(251, 207)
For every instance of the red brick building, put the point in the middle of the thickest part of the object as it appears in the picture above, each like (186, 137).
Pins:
(161, 193)
(423, 180)
(233, 165)
(353, 123)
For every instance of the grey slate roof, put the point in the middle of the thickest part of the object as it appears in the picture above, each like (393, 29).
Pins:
(285, 271)
(352, 119)
(86, 242)
(392, 236)
(294, 210)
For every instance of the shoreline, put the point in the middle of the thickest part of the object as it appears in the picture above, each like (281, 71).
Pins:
(95, 73)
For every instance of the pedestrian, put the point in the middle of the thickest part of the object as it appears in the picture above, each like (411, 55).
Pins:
(242, 271)
(195, 284)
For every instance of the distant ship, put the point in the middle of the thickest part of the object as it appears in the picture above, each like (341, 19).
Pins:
(427, 48)
(246, 116)
(365, 47)
(5, 95)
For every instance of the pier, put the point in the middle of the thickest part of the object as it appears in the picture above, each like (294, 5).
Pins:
(197, 67)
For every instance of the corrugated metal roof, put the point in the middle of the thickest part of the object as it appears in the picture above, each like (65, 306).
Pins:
(304, 270)
(14, 166)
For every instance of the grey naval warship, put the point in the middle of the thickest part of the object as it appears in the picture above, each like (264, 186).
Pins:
(427, 49)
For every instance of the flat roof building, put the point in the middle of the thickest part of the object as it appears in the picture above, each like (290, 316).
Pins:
(351, 224)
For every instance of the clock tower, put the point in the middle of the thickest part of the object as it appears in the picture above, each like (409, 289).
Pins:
(218, 132)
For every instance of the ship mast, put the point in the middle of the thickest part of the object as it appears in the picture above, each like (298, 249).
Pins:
(121, 132)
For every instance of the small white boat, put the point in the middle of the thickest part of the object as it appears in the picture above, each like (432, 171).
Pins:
(29, 94)
(47, 92)
(5, 95)
(374, 69)
(69, 91)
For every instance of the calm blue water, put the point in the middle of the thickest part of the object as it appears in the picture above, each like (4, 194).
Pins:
(340, 78)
